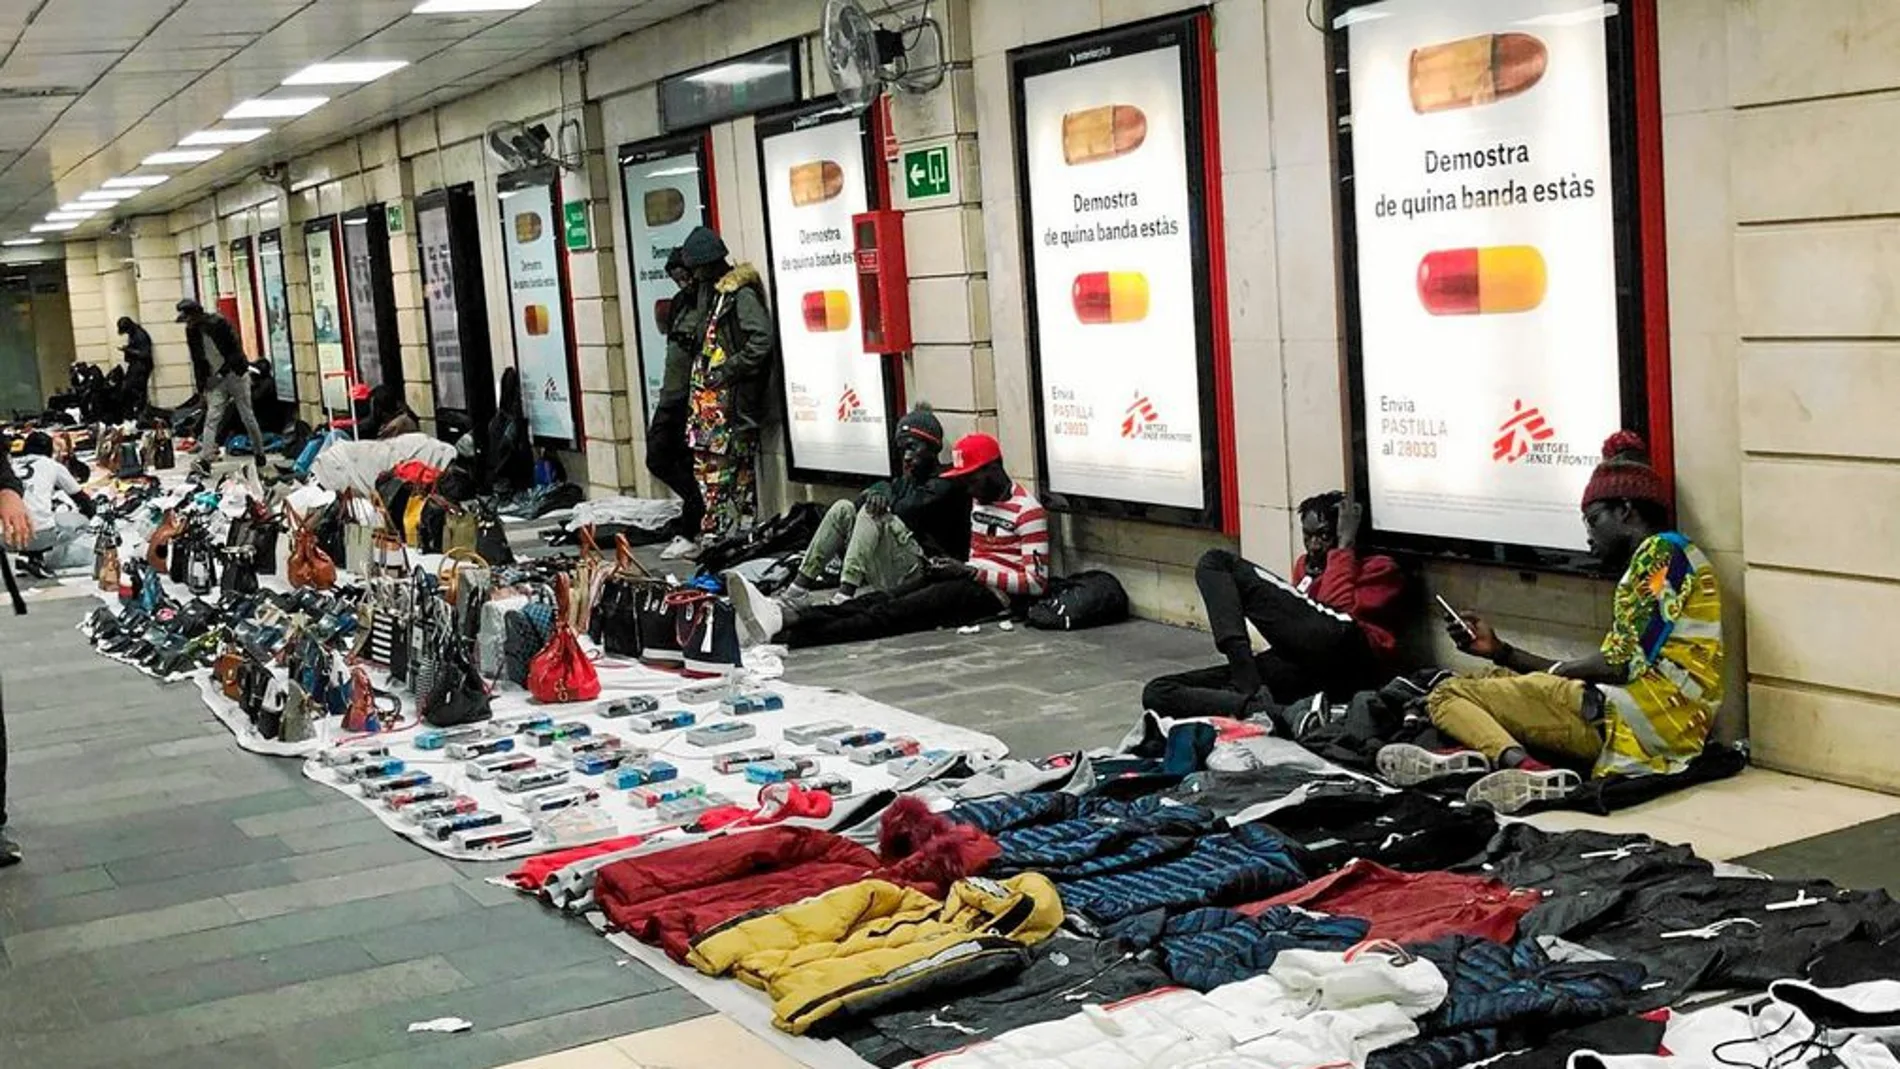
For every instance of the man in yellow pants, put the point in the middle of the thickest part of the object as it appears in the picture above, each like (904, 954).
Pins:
(1642, 704)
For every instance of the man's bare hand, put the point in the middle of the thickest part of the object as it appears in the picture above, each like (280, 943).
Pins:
(15, 525)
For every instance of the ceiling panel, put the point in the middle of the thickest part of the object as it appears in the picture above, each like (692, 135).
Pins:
(95, 86)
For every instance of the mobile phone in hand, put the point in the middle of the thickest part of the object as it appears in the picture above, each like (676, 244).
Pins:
(1452, 617)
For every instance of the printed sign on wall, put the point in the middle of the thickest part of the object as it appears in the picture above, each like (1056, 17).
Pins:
(1486, 264)
(531, 240)
(438, 294)
(836, 394)
(362, 296)
(1112, 167)
(665, 190)
(270, 271)
(326, 308)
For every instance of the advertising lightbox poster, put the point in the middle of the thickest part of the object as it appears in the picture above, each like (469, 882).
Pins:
(276, 301)
(364, 325)
(837, 396)
(666, 196)
(326, 310)
(208, 292)
(188, 275)
(530, 227)
(1112, 169)
(1485, 265)
(438, 296)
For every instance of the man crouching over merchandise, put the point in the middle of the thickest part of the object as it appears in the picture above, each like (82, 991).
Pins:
(1008, 567)
(1642, 704)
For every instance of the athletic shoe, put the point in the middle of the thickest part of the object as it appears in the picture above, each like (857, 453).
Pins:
(9, 853)
(1406, 765)
(759, 617)
(680, 549)
(713, 648)
(1511, 789)
(1307, 714)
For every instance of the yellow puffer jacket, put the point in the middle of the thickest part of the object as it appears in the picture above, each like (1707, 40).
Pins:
(867, 941)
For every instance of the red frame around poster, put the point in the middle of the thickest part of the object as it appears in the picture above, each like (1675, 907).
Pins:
(1654, 238)
(1226, 442)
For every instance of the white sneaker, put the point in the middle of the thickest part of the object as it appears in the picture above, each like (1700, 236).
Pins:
(1405, 765)
(1511, 789)
(680, 549)
(760, 618)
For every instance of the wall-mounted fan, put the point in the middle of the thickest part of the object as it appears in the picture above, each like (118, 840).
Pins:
(522, 148)
(864, 57)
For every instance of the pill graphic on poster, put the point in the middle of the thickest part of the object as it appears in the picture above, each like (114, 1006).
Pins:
(534, 319)
(1492, 280)
(1103, 297)
(663, 206)
(1102, 133)
(527, 227)
(826, 311)
(662, 313)
(816, 182)
(1474, 71)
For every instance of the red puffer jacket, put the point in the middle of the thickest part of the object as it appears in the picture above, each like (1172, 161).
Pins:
(668, 898)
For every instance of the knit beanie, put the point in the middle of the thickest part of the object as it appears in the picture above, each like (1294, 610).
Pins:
(921, 423)
(1625, 473)
(702, 247)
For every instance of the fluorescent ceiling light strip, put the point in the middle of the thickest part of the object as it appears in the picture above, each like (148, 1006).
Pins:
(82, 206)
(107, 196)
(276, 107)
(64, 216)
(346, 72)
(137, 181)
(50, 228)
(738, 73)
(17, 242)
(456, 7)
(228, 136)
(183, 155)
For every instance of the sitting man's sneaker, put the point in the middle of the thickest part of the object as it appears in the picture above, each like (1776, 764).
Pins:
(1511, 789)
(1405, 765)
(760, 618)
(9, 852)
(680, 548)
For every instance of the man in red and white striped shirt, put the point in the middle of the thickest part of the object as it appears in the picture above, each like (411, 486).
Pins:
(1008, 567)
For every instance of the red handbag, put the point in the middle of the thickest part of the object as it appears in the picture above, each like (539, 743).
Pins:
(561, 672)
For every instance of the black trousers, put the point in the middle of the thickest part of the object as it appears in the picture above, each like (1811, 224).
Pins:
(926, 606)
(1313, 649)
(672, 463)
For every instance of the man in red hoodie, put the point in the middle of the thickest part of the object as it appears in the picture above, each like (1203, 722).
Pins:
(1329, 630)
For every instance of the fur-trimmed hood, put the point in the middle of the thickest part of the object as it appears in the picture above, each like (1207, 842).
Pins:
(738, 278)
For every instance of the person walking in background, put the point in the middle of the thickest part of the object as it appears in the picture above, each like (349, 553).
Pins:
(16, 528)
(135, 392)
(1642, 704)
(223, 386)
(668, 456)
(732, 368)
(1329, 630)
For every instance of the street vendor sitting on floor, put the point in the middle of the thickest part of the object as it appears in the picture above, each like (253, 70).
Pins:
(1328, 631)
(889, 534)
(1643, 703)
(1007, 569)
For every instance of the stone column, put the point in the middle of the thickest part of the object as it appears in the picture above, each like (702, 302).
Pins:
(607, 408)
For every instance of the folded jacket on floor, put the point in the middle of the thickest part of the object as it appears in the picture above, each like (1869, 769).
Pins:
(1415, 907)
(1247, 863)
(859, 947)
(1405, 830)
(1205, 948)
(1104, 836)
(1312, 1008)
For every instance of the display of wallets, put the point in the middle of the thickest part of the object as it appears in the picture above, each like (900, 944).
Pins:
(752, 704)
(440, 809)
(640, 772)
(559, 798)
(499, 764)
(596, 764)
(733, 760)
(493, 838)
(441, 828)
(530, 779)
(848, 741)
(439, 738)
(809, 734)
(780, 769)
(387, 766)
(387, 785)
(652, 796)
(353, 756)
(630, 707)
(653, 723)
(721, 733)
(552, 733)
(888, 750)
(429, 792)
(569, 749)
(463, 751)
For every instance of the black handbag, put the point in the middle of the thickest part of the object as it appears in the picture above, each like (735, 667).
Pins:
(491, 538)
(463, 698)
(179, 551)
(201, 567)
(240, 571)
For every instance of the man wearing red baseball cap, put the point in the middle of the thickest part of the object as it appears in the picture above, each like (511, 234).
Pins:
(1008, 568)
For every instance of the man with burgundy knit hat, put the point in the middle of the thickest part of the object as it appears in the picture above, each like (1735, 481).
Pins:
(1008, 567)
(1642, 704)
(886, 537)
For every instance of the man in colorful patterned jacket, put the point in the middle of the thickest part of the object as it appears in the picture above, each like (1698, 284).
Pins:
(1643, 703)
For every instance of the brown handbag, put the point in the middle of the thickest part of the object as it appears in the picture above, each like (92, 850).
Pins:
(158, 548)
(309, 565)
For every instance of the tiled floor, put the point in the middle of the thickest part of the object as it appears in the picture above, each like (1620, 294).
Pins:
(185, 903)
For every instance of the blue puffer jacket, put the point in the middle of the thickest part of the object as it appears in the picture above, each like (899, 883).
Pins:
(1206, 948)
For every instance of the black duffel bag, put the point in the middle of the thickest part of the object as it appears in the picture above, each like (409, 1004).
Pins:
(1081, 601)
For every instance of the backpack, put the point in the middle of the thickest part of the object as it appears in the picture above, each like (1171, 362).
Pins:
(1083, 600)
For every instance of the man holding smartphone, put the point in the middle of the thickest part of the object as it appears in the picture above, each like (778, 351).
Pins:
(1328, 630)
(1642, 704)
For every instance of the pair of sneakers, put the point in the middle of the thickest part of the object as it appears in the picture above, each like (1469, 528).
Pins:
(1505, 790)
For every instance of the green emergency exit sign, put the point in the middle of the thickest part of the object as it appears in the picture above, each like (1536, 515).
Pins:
(576, 227)
(927, 172)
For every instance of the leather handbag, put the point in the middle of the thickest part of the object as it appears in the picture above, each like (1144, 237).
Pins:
(201, 566)
(464, 697)
(240, 571)
(412, 519)
(491, 537)
(227, 671)
(298, 712)
(164, 453)
(561, 672)
(106, 566)
(371, 711)
(462, 567)
(388, 553)
(158, 547)
(460, 528)
(309, 568)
